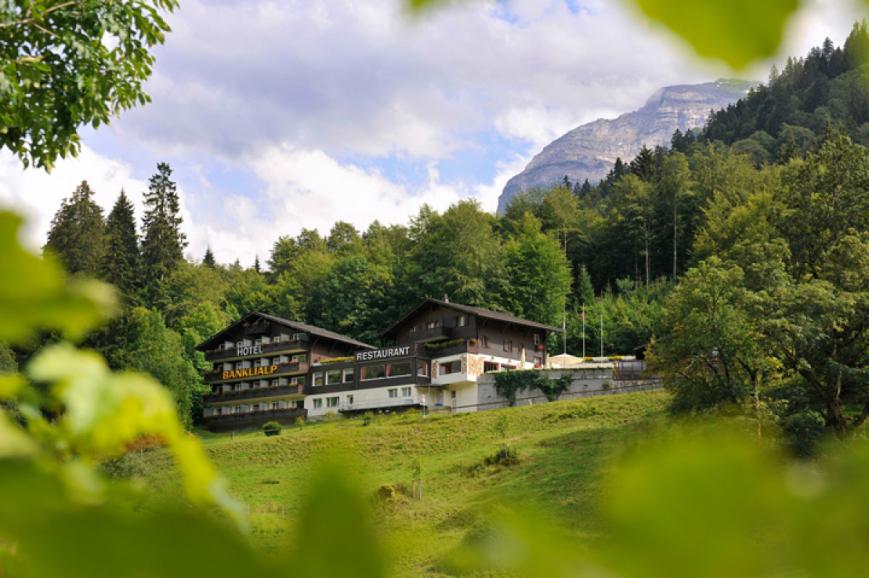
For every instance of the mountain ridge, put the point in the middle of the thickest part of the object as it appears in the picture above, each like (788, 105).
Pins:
(590, 150)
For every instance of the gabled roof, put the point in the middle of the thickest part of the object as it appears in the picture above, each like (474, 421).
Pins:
(295, 325)
(478, 311)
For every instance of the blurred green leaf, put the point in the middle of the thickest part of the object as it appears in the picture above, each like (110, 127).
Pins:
(738, 32)
(35, 294)
(105, 412)
(336, 535)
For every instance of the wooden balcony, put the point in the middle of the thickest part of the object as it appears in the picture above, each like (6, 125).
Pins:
(253, 419)
(254, 393)
(296, 345)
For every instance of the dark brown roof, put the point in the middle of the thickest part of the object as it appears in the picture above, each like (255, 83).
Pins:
(478, 311)
(296, 325)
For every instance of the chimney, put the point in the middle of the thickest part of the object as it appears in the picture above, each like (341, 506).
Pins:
(446, 298)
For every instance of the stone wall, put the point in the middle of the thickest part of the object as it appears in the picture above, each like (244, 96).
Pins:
(586, 382)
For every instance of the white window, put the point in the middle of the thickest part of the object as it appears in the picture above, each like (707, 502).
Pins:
(318, 402)
(318, 379)
(266, 340)
(349, 399)
(332, 401)
(461, 321)
(405, 392)
(276, 405)
(536, 339)
(392, 392)
(297, 380)
(333, 377)
(348, 375)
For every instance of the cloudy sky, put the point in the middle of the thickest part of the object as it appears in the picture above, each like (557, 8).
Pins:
(282, 114)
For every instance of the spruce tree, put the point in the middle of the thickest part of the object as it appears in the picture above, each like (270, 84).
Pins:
(208, 259)
(163, 240)
(122, 263)
(77, 234)
(256, 265)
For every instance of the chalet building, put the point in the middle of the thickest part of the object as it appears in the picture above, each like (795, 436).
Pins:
(261, 367)
(271, 368)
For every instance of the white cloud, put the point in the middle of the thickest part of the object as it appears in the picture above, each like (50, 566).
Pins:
(360, 77)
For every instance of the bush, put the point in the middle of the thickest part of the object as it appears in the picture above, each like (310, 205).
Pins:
(803, 431)
(272, 428)
(506, 456)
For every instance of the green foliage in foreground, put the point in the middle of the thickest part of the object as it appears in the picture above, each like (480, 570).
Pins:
(66, 64)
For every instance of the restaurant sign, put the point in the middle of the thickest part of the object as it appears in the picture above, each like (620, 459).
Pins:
(383, 353)
(249, 372)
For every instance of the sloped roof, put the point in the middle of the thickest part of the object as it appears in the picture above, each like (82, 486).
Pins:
(295, 325)
(478, 311)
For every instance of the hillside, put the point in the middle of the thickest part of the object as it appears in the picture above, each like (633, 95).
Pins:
(589, 151)
(564, 449)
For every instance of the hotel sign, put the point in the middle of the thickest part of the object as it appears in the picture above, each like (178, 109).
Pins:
(249, 372)
(248, 350)
(383, 353)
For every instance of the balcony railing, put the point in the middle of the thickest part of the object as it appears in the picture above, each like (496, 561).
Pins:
(301, 342)
(255, 392)
(253, 418)
(427, 334)
(283, 369)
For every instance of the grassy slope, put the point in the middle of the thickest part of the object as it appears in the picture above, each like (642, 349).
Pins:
(564, 449)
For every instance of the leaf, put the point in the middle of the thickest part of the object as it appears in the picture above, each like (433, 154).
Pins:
(105, 412)
(738, 32)
(35, 294)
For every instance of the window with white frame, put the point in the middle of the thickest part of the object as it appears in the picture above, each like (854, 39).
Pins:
(318, 379)
(332, 401)
(349, 399)
(406, 392)
(348, 375)
(318, 402)
(392, 392)
(333, 377)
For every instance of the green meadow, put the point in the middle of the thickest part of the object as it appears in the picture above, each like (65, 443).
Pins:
(565, 449)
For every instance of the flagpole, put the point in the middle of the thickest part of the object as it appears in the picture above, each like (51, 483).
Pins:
(583, 331)
(601, 332)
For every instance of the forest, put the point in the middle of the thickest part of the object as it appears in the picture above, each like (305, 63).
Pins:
(739, 255)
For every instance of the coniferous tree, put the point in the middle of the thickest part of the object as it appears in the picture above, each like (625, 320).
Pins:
(163, 240)
(208, 259)
(256, 265)
(122, 263)
(77, 234)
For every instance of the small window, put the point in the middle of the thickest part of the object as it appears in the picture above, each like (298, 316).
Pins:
(297, 380)
(349, 399)
(422, 368)
(333, 377)
(276, 405)
(413, 329)
(332, 401)
(318, 402)
(508, 345)
(406, 392)
(348, 375)
(401, 368)
(373, 372)
(318, 379)
(432, 324)
(392, 392)
(489, 366)
(536, 339)
(461, 321)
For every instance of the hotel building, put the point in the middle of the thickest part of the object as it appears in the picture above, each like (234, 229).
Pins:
(436, 353)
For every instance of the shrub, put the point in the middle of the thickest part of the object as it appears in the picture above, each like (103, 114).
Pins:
(271, 428)
(367, 418)
(506, 456)
(300, 422)
(803, 431)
